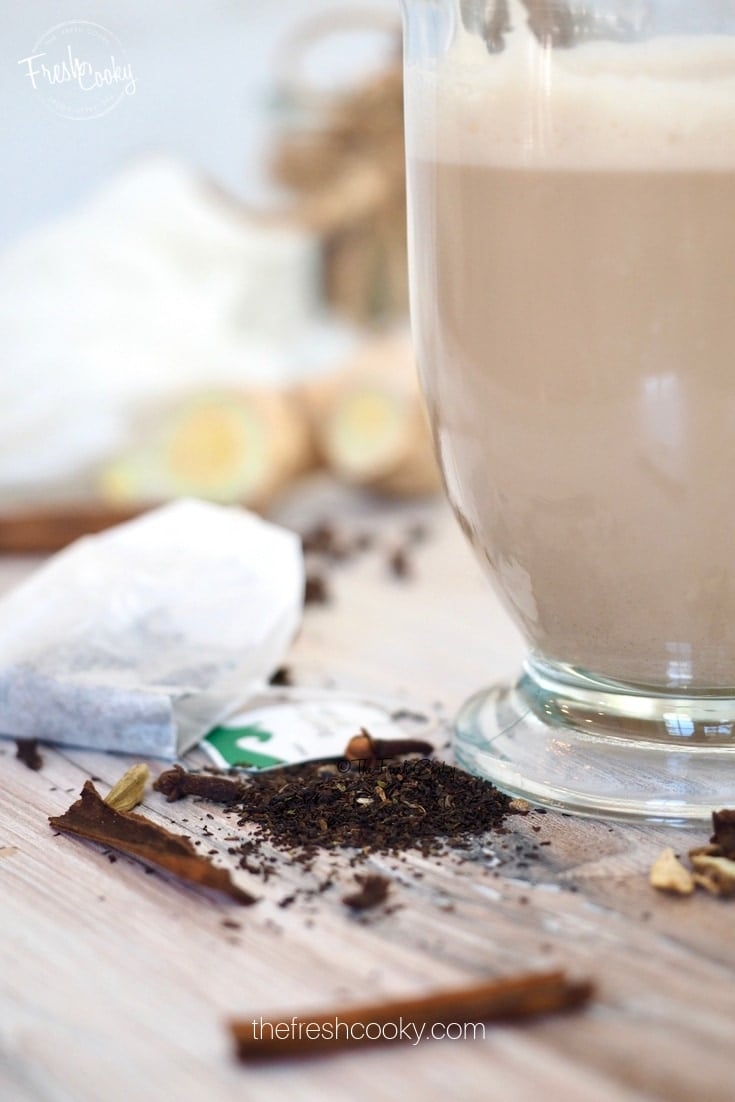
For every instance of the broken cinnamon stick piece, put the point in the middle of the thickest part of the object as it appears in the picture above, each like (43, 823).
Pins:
(405, 1019)
(363, 747)
(175, 783)
(90, 817)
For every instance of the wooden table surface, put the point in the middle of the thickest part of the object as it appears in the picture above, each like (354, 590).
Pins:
(116, 985)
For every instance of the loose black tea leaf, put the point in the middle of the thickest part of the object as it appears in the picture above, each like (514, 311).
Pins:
(373, 891)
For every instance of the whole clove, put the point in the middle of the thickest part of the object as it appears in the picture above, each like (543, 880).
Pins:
(132, 834)
(305, 1034)
(176, 783)
(363, 747)
(723, 825)
(26, 750)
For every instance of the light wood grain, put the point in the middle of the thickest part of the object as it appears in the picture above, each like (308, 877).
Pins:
(115, 984)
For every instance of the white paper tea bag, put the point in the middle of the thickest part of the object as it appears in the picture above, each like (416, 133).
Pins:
(143, 638)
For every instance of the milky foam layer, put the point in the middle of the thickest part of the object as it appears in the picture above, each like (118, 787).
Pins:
(665, 103)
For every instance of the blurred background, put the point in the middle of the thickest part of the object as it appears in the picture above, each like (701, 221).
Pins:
(202, 258)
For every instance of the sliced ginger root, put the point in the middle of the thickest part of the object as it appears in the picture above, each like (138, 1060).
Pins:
(369, 423)
(241, 446)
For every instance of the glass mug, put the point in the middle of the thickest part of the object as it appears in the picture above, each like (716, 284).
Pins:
(571, 178)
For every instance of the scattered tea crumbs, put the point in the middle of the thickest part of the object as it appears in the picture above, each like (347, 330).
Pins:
(281, 676)
(316, 591)
(323, 539)
(399, 563)
(372, 892)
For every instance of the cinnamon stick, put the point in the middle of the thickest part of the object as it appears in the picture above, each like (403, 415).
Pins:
(40, 531)
(410, 1020)
(90, 817)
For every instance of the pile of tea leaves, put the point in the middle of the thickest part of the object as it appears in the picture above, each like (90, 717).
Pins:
(374, 807)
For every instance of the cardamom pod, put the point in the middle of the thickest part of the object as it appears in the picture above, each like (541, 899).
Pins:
(128, 792)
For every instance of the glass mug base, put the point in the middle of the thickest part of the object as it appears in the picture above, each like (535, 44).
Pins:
(567, 740)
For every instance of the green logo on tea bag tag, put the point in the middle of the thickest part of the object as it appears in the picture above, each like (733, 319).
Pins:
(232, 744)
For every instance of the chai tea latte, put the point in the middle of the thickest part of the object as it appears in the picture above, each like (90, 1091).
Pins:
(573, 271)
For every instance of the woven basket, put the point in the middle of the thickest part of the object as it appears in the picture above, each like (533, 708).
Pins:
(346, 171)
